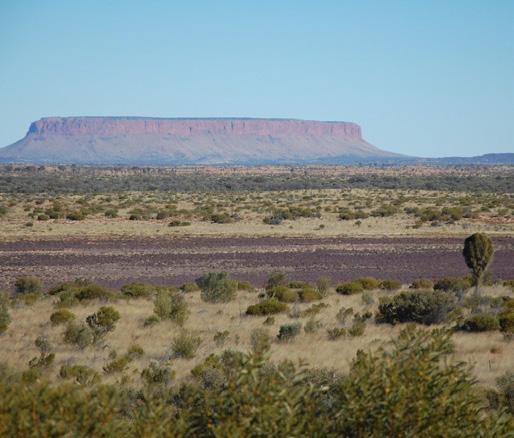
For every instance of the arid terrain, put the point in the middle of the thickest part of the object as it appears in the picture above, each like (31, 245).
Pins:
(173, 261)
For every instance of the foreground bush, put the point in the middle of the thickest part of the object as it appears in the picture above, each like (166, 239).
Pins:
(269, 306)
(424, 307)
(217, 287)
(407, 390)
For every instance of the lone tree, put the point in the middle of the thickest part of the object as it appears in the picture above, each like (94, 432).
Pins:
(478, 253)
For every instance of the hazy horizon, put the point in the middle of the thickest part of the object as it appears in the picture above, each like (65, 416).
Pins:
(427, 80)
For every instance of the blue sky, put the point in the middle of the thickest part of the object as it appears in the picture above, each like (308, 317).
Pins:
(426, 78)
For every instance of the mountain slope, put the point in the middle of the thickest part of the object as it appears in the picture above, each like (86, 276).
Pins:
(140, 141)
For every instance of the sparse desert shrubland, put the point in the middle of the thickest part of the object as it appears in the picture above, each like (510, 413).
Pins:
(324, 301)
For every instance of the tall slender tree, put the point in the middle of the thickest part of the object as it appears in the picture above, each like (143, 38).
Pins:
(478, 254)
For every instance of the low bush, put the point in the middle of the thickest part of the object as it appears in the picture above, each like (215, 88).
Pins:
(61, 316)
(452, 284)
(288, 332)
(135, 351)
(422, 283)
(368, 283)
(343, 314)
(349, 288)
(171, 305)
(260, 341)
(314, 309)
(481, 322)
(309, 294)
(268, 306)
(79, 290)
(80, 335)
(138, 290)
(424, 307)
(357, 328)
(390, 285)
(283, 294)
(103, 321)
(185, 345)
(367, 298)
(28, 285)
(217, 287)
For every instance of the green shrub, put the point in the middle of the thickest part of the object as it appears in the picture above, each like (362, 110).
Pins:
(509, 284)
(185, 345)
(171, 305)
(422, 283)
(456, 285)
(138, 290)
(424, 307)
(80, 335)
(61, 316)
(268, 306)
(481, 322)
(217, 287)
(5, 318)
(79, 290)
(44, 361)
(81, 374)
(260, 341)
(349, 288)
(506, 320)
(103, 321)
(288, 332)
(309, 294)
(283, 294)
(390, 285)
(368, 283)
(28, 285)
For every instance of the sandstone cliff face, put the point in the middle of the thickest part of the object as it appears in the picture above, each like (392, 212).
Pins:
(137, 140)
(114, 126)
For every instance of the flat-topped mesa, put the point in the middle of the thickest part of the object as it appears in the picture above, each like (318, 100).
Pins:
(186, 127)
(178, 141)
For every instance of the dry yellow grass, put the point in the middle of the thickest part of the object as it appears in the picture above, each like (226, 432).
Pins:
(489, 353)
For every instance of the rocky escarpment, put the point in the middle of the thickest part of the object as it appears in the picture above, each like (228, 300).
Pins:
(138, 140)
